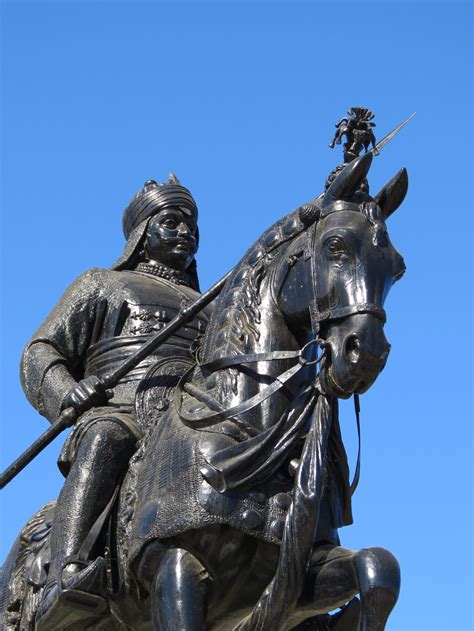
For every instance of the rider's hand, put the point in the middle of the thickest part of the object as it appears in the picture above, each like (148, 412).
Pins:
(88, 393)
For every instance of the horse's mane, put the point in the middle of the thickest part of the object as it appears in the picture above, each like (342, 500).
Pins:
(236, 317)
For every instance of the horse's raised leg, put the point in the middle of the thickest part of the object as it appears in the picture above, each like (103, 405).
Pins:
(179, 593)
(378, 577)
(336, 575)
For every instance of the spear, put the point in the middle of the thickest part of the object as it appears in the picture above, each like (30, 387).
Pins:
(69, 416)
(388, 137)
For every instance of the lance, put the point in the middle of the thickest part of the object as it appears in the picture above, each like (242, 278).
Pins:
(69, 416)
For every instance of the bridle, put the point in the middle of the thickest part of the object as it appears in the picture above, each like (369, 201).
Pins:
(319, 316)
(304, 356)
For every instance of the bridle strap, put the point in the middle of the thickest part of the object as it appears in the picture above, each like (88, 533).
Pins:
(226, 362)
(342, 312)
(241, 408)
(356, 478)
(317, 316)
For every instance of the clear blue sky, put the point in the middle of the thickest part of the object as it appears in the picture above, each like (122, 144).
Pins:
(240, 100)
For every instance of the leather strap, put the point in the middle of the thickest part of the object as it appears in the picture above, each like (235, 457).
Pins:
(241, 408)
(86, 548)
(361, 307)
(226, 362)
(355, 481)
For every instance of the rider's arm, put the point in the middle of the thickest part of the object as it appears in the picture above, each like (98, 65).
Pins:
(53, 359)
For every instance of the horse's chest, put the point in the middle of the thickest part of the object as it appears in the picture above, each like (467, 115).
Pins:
(173, 497)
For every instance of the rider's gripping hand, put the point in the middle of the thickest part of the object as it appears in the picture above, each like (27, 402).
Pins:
(88, 393)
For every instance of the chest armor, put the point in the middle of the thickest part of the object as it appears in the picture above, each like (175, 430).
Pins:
(137, 308)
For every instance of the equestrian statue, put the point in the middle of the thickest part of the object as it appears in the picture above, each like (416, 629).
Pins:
(206, 476)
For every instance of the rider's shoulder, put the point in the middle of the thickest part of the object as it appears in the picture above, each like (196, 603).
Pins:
(96, 277)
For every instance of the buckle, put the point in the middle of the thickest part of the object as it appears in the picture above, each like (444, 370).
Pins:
(304, 361)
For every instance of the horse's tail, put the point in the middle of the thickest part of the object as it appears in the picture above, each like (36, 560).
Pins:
(280, 597)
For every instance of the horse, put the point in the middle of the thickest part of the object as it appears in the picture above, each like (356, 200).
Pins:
(228, 517)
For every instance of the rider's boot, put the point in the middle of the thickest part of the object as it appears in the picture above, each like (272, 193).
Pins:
(77, 595)
(76, 587)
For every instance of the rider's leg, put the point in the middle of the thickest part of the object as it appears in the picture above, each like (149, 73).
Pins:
(337, 574)
(101, 458)
(180, 593)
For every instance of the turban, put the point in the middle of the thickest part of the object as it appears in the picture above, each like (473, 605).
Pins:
(153, 198)
(150, 200)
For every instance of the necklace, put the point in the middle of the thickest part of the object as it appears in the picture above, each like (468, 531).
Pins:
(165, 272)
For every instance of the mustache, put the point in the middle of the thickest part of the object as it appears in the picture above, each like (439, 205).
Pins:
(189, 241)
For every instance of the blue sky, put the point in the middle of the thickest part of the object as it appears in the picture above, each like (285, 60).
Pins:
(240, 100)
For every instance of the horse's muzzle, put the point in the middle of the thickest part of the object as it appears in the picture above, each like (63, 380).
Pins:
(356, 353)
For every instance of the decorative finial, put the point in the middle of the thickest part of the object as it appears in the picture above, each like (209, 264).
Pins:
(357, 128)
(359, 135)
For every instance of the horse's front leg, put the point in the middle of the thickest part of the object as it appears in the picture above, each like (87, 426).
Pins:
(180, 593)
(337, 574)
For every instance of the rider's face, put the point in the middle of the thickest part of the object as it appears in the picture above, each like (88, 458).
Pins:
(171, 239)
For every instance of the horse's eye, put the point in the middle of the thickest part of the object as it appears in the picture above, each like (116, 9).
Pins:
(335, 245)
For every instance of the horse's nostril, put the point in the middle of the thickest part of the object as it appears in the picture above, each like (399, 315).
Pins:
(352, 348)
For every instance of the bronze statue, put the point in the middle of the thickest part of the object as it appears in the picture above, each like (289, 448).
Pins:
(358, 130)
(228, 514)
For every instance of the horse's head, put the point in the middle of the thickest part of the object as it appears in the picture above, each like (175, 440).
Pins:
(354, 268)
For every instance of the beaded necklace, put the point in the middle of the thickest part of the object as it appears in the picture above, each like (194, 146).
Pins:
(165, 272)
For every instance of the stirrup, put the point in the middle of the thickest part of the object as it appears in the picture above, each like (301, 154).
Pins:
(82, 596)
(91, 578)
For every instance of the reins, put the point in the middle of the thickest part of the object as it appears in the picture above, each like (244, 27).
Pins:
(227, 362)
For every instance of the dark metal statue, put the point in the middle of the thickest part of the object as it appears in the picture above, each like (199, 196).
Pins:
(358, 130)
(228, 513)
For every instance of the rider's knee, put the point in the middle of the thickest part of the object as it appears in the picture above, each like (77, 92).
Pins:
(107, 436)
(379, 567)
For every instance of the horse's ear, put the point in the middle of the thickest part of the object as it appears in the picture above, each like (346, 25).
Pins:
(393, 193)
(349, 179)
(172, 179)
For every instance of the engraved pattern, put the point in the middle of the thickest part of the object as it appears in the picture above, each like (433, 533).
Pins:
(236, 319)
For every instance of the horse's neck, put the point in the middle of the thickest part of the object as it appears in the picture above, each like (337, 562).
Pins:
(248, 320)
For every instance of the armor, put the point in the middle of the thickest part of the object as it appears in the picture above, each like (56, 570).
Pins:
(100, 320)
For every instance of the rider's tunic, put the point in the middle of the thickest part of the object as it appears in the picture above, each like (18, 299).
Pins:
(102, 318)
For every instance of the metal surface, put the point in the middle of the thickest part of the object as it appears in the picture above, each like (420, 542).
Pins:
(234, 490)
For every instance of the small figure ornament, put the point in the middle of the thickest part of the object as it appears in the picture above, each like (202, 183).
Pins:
(358, 130)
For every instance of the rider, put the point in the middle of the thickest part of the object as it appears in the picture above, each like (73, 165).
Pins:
(103, 317)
